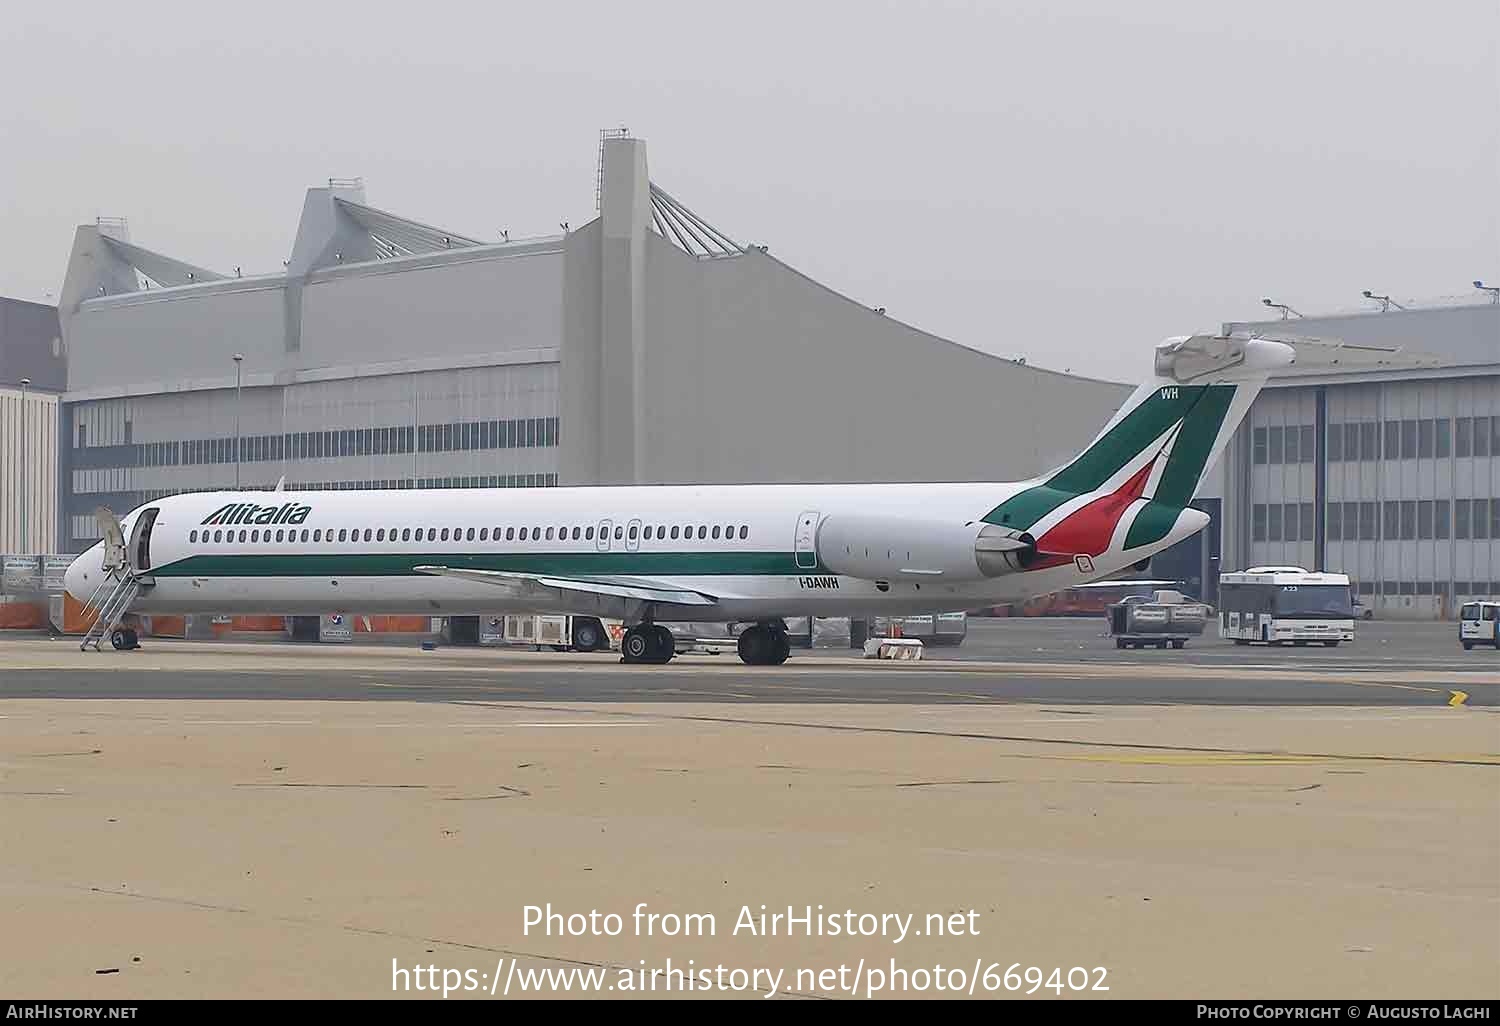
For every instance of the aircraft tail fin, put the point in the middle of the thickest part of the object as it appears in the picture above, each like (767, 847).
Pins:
(1157, 447)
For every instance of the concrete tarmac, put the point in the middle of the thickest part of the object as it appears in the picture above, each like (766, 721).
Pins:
(229, 820)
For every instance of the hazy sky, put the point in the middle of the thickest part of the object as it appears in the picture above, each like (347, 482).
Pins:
(1068, 181)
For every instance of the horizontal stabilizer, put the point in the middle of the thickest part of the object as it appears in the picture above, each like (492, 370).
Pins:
(644, 591)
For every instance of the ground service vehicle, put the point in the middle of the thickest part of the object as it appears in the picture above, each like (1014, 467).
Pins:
(1479, 624)
(1280, 604)
(1165, 617)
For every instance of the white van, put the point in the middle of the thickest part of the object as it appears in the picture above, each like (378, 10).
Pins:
(1479, 624)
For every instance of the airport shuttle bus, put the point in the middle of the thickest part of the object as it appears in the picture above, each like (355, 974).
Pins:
(1279, 604)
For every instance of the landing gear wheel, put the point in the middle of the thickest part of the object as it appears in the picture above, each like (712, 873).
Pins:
(1467, 645)
(1119, 643)
(764, 646)
(664, 646)
(783, 647)
(118, 640)
(1161, 644)
(637, 645)
(1330, 644)
(1178, 644)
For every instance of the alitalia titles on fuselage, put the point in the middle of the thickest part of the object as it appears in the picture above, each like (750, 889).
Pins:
(250, 513)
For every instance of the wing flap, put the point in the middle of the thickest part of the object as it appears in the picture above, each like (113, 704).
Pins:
(641, 590)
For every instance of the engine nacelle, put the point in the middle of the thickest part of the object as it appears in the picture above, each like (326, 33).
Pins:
(884, 548)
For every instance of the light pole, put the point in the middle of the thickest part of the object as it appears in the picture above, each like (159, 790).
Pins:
(238, 359)
(1493, 290)
(25, 547)
(1386, 302)
(1282, 307)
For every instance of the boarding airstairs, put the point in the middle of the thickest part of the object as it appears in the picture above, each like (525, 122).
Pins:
(112, 599)
(122, 583)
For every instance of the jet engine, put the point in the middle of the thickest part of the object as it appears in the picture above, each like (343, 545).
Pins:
(889, 548)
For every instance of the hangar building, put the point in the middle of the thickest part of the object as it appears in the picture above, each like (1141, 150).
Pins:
(1391, 476)
(646, 346)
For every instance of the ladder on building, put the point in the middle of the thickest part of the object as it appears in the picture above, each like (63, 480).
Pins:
(113, 599)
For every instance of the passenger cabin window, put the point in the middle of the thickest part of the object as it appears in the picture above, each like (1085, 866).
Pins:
(702, 533)
(588, 534)
(304, 535)
(575, 534)
(716, 532)
(470, 534)
(380, 535)
(192, 536)
(632, 533)
(484, 534)
(549, 534)
(510, 534)
(619, 533)
(674, 532)
(444, 536)
(744, 532)
(255, 535)
(218, 536)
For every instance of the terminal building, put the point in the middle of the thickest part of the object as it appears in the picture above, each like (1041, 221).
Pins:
(649, 346)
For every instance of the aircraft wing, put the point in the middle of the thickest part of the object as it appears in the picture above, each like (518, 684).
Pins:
(643, 590)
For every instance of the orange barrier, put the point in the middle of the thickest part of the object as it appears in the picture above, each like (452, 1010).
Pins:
(23, 616)
(167, 626)
(392, 624)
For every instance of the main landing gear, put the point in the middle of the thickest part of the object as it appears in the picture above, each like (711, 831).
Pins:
(124, 639)
(648, 643)
(764, 645)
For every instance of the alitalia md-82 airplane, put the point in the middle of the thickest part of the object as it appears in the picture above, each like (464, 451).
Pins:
(723, 553)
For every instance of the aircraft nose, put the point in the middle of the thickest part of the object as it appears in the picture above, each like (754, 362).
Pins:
(84, 573)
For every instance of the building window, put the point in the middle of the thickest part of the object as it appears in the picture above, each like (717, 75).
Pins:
(1444, 429)
(1392, 439)
(1392, 521)
(1369, 514)
(1273, 522)
(1292, 435)
(1274, 445)
(1352, 441)
(1290, 521)
(1494, 505)
(1484, 444)
(1369, 441)
(1308, 527)
(1426, 433)
(1461, 529)
(1335, 434)
(1334, 525)
(1408, 439)
(1440, 519)
(1424, 519)
(1408, 519)
(1258, 446)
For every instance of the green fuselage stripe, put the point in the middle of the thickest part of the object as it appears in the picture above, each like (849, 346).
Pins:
(559, 564)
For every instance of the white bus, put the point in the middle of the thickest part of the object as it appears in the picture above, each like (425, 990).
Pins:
(1277, 604)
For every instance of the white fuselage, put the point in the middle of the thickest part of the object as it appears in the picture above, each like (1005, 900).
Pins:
(354, 551)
